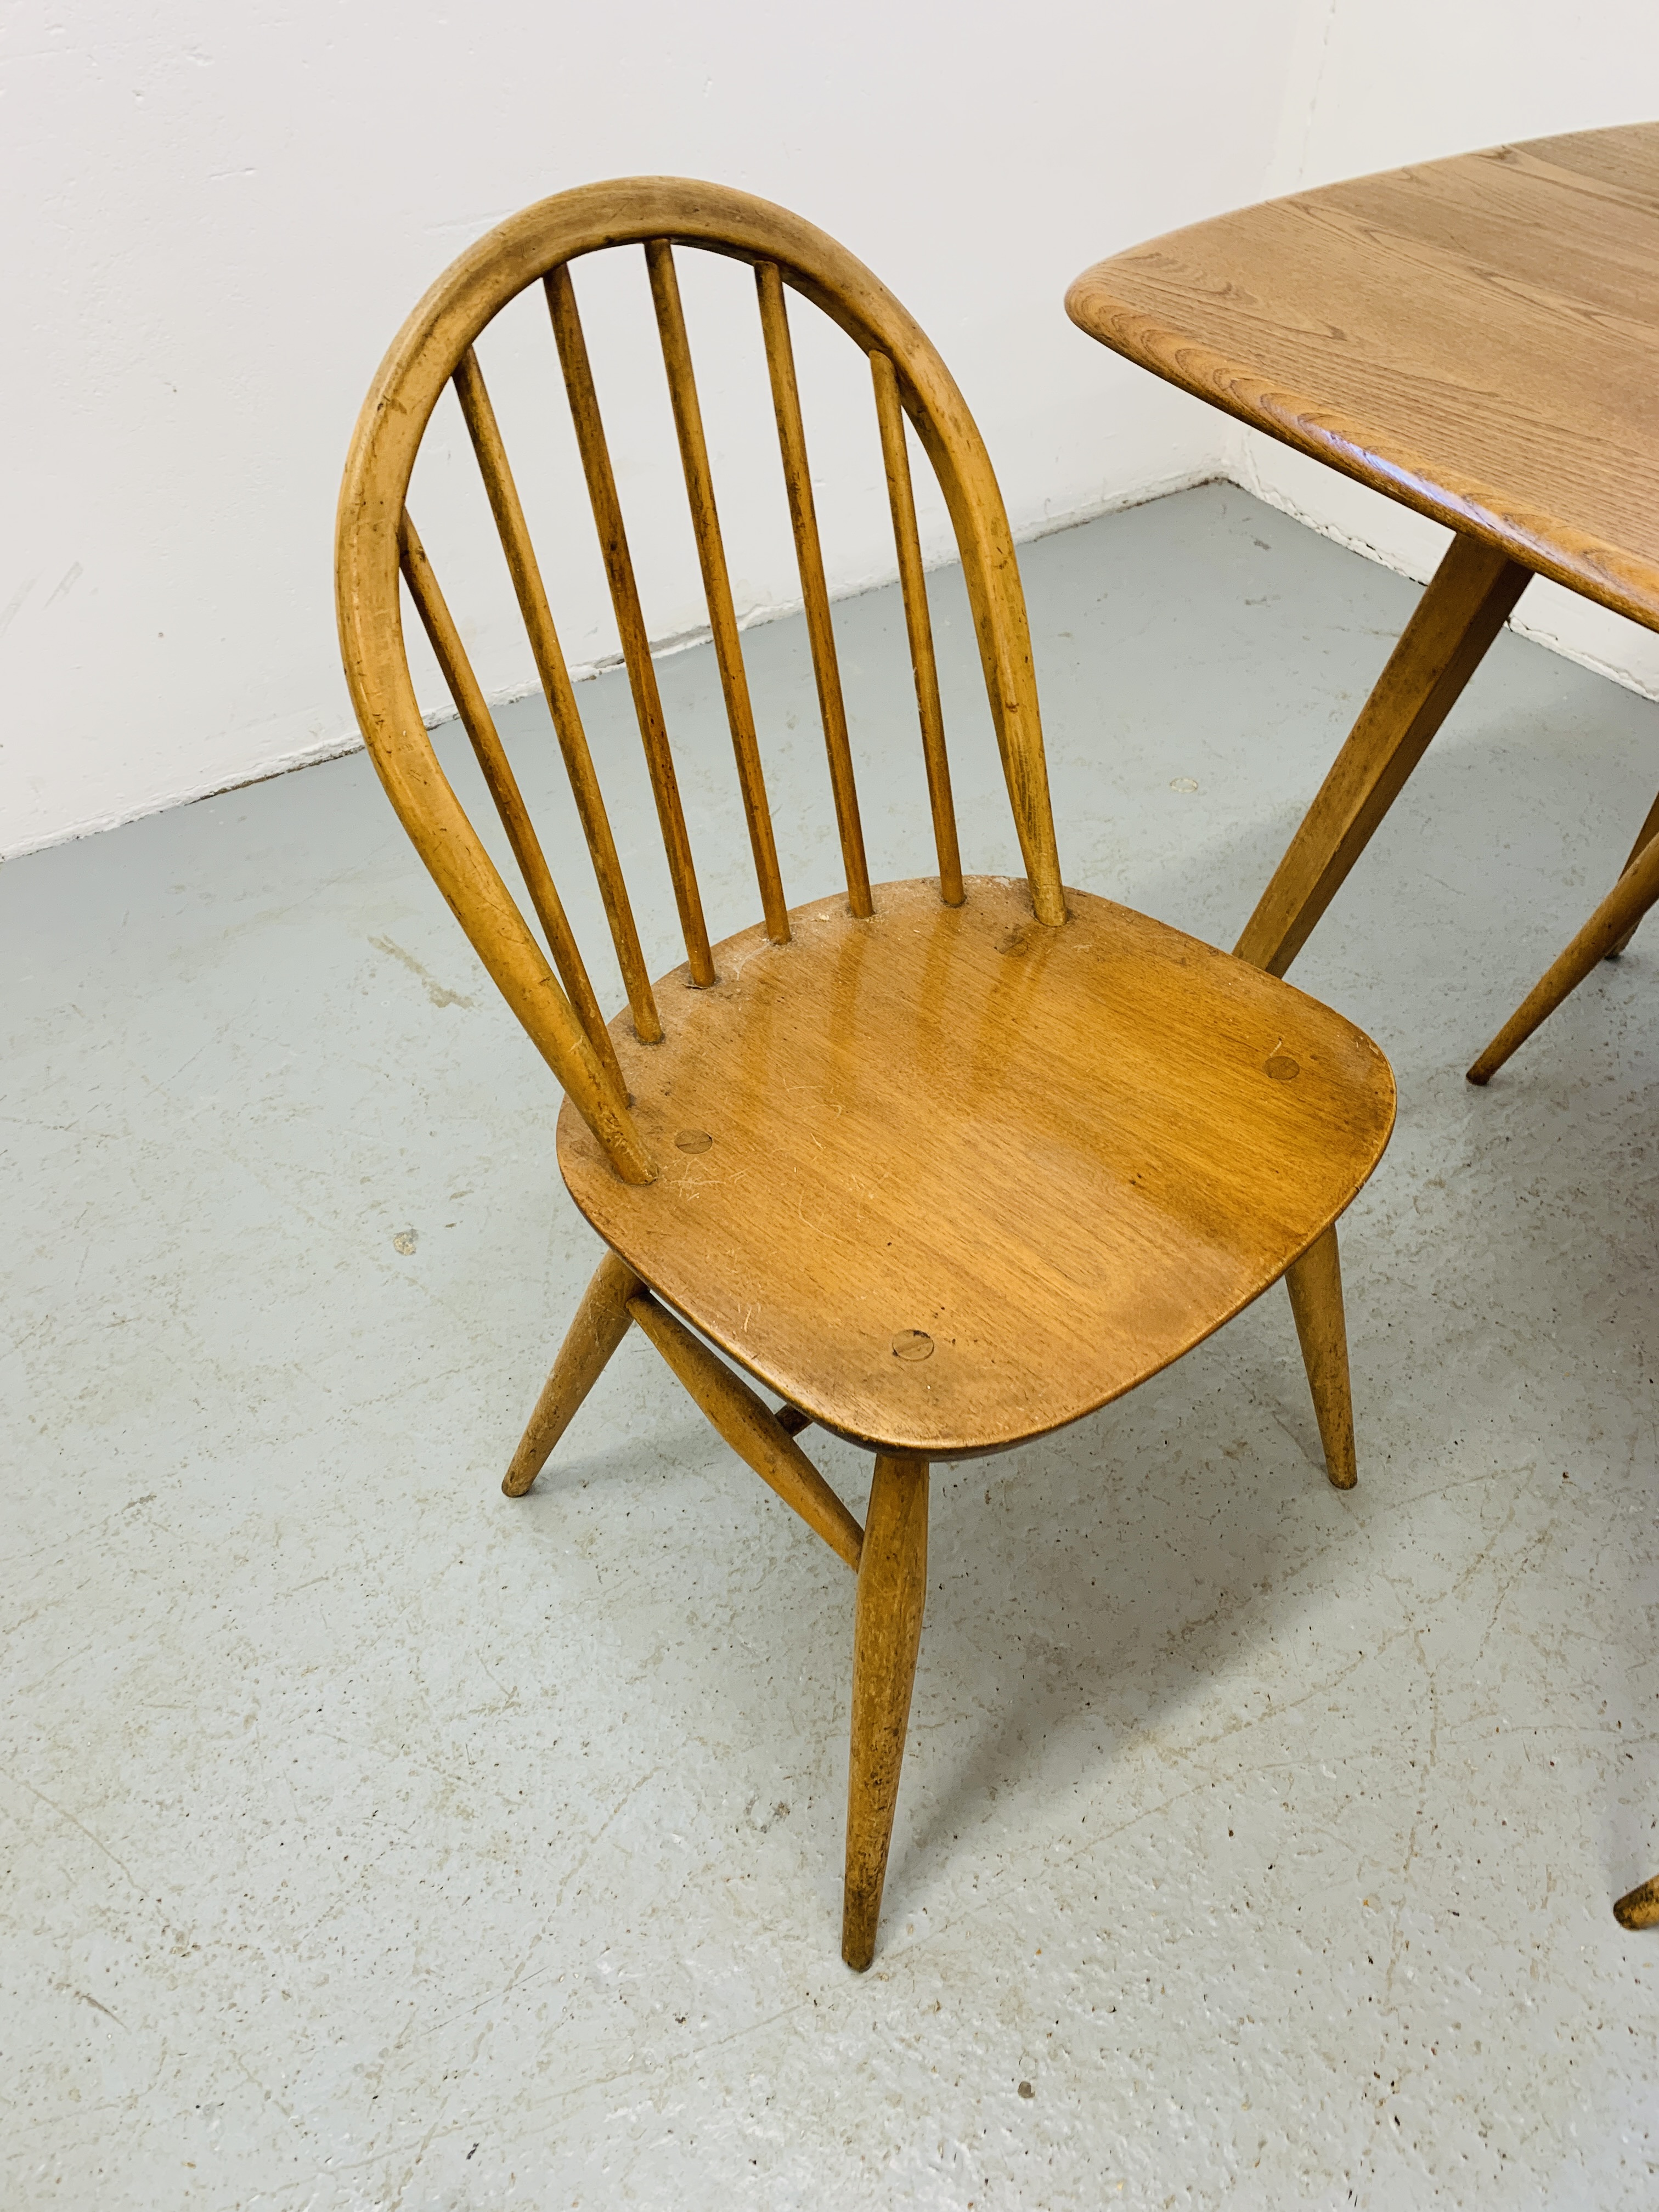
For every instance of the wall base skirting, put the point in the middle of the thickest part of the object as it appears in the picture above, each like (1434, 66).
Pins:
(1539, 619)
(347, 740)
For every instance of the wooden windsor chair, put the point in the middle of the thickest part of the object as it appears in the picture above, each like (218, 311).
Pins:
(944, 1163)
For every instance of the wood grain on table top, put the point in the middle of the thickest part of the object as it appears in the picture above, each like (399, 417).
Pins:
(1478, 338)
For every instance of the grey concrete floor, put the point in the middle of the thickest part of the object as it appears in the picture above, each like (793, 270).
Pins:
(373, 1841)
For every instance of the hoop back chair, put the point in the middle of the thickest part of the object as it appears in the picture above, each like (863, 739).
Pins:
(945, 1164)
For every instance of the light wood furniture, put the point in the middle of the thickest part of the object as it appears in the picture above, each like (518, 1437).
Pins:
(1639, 1907)
(1477, 338)
(944, 1164)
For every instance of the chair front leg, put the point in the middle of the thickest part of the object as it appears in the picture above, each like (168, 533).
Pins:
(1314, 1283)
(887, 1633)
(602, 1322)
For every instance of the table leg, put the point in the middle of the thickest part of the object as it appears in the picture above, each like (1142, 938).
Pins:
(1645, 836)
(1581, 956)
(1612, 924)
(1467, 602)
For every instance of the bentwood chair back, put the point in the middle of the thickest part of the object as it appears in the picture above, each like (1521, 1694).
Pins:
(944, 1165)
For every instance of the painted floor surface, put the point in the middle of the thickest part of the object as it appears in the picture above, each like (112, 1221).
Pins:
(373, 1841)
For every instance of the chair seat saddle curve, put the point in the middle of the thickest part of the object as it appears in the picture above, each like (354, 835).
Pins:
(943, 1164)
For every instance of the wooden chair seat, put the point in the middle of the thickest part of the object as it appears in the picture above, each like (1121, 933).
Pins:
(944, 1179)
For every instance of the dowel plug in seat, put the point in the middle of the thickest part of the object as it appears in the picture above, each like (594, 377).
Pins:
(945, 1164)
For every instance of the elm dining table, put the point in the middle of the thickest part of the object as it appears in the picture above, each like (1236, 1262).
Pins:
(1478, 338)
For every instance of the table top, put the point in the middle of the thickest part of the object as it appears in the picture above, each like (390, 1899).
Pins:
(1477, 337)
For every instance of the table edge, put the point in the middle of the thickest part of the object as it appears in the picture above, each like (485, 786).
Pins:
(1594, 569)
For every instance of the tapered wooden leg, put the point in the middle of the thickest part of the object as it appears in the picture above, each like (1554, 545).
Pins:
(1645, 835)
(1639, 1907)
(1315, 1284)
(602, 1322)
(892, 1587)
(1636, 890)
(1465, 605)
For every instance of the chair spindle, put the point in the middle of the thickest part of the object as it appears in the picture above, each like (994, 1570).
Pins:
(476, 721)
(896, 457)
(544, 645)
(630, 620)
(716, 584)
(809, 559)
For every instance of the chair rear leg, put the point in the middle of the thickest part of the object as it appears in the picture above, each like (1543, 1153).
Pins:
(602, 1322)
(892, 1588)
(1315, 1284)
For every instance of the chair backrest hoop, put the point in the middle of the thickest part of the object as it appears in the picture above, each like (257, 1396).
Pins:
(422, 358)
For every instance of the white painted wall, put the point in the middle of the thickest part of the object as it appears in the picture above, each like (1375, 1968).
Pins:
(1370, 84)
(216, 217)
